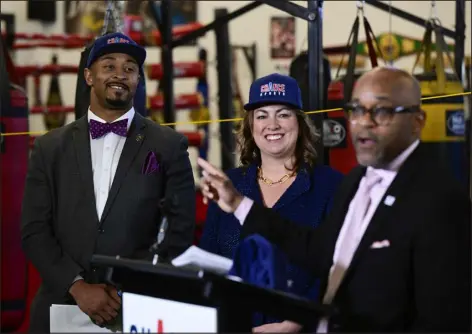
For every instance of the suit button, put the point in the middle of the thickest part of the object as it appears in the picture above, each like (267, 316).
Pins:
(101, 230)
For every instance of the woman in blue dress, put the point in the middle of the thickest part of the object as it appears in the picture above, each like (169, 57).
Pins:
(278, 169)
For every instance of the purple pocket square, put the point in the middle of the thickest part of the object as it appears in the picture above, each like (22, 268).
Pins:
(151, 164)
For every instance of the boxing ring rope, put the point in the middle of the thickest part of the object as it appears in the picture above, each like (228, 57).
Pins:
(181, 70)
(195, 139)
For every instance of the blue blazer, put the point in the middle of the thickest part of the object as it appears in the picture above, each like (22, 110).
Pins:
(307, 201)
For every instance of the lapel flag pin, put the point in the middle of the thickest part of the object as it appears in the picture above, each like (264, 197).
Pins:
(389, 200)
(139, 137)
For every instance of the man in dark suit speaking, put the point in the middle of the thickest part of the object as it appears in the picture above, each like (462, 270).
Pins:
(94, 187)
(394, 254)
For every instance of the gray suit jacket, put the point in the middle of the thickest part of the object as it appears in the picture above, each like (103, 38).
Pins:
(60, 226)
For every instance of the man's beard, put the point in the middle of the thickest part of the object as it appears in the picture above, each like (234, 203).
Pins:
(118, 104)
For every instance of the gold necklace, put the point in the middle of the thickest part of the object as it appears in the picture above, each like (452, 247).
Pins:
(269, 182)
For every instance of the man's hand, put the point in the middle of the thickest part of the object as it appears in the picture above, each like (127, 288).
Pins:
(217, 186)
(279, 327)
(98, 301)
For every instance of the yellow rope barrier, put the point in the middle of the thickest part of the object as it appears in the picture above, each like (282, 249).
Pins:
(232, 119)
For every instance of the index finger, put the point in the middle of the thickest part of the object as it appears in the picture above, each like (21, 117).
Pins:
(209, 167)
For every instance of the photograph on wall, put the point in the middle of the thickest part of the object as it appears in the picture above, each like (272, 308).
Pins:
(282, 37)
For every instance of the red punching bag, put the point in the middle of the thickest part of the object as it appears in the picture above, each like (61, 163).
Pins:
(336, 136)
(13, 166)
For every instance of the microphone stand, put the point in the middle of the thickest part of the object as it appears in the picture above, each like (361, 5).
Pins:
(167, 206)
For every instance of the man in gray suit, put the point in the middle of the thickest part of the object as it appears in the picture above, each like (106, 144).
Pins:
(94, 187)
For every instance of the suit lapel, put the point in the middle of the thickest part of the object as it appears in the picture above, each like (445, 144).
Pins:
(346, 194)
(335, 220)
(135, 139)
(81, 140)
(384, 212)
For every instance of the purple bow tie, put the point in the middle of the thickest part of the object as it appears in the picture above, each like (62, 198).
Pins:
(99, 129)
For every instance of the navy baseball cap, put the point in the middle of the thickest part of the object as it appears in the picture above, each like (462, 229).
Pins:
(274, 89)
(116, 43)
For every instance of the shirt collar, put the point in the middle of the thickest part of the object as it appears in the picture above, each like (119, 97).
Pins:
(129, 115)
(401, 158)
(388, 174)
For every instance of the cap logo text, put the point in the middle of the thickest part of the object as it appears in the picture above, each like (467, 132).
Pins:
(117, 40)
(272, 88)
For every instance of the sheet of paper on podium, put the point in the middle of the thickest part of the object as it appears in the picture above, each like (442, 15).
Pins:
(70, 319)
(195, 256)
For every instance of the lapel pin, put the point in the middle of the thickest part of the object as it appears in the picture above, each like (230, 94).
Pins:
(389, 200)
(139, 137)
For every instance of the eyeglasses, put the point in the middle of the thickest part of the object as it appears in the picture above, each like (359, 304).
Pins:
(378, 114)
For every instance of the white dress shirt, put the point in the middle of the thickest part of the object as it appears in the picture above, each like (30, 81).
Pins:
(376, 194)
(105, 152)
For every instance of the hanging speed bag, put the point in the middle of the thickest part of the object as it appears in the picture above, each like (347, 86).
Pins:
(82, 93)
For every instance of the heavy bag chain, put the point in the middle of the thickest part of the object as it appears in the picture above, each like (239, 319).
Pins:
(114, 17)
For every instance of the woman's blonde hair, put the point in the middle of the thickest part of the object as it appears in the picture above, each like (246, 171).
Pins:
(304, 150)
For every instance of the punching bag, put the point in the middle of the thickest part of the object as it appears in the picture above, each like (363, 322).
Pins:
(299, 71)
(336, 136)
(444, 133)
(13, 168)
(82, 93)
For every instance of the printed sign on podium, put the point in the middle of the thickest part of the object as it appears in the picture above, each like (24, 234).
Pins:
(144, 314)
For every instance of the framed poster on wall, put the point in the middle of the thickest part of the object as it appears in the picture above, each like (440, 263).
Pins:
(282, 37)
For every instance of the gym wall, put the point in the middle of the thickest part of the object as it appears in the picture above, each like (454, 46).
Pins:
(245, 30)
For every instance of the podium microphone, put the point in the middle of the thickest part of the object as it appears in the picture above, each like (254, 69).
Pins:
(167, 206)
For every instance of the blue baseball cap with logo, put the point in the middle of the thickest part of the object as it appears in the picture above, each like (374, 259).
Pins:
(116, 43)
(274, 89)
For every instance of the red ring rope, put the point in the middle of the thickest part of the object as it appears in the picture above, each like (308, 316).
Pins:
(183, 101)
(77, 41)
(46, 69)
(181, 70)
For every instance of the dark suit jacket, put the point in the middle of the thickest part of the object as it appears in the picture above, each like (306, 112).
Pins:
(60, 226)
(421, 282)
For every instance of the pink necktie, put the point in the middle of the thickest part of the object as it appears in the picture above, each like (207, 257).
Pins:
(348, 245)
